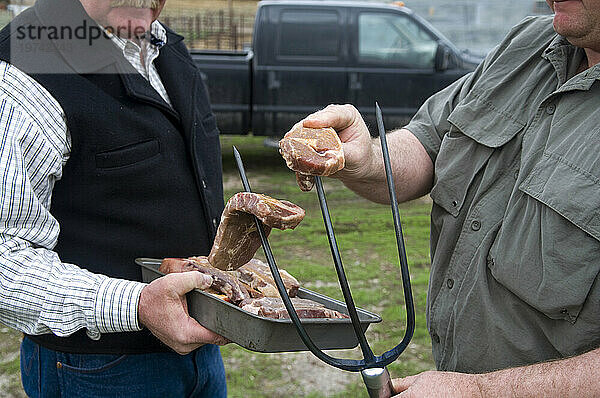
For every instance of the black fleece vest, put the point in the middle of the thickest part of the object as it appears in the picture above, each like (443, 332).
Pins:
(143, 179)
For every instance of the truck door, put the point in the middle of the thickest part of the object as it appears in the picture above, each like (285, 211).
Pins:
(393, 62)
(305, 72)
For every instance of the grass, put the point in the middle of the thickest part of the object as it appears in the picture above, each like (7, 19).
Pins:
(365, 235)
(10, 380)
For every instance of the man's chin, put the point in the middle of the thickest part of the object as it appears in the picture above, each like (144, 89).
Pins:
(568, 26)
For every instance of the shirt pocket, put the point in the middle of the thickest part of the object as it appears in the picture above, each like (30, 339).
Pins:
(127, 155)
(554, 264)
(477, 129)
(209, 122)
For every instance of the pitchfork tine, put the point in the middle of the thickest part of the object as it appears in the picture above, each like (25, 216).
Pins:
(287, 302)
(410, 309)
(337, 259)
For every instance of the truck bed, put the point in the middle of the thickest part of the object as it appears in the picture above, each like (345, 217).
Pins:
(234, 99)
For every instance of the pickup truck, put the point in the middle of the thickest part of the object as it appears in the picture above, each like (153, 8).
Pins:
(307, 54)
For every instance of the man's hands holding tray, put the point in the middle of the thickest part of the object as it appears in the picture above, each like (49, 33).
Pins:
(163, 310)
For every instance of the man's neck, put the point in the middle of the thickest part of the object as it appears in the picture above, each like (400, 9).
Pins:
(593, 57)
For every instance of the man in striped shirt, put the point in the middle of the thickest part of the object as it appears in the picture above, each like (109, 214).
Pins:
(109, 152)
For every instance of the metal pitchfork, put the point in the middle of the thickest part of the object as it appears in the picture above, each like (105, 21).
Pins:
(373, 368)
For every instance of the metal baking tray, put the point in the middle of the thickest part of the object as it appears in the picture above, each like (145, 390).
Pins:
(262, 334)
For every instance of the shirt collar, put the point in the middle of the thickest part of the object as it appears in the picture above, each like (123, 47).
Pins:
(557, 52)
(558, 42)
(158, 34)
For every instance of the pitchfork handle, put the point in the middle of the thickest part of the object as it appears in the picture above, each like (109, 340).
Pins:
(378, 382)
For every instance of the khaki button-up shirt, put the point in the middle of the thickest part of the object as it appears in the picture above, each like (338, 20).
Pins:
(515, 224)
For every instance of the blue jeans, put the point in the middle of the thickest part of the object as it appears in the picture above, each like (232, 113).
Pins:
(48, 373)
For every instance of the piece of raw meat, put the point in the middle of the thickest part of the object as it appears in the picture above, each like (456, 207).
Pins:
(237, 239)
(272, 307)
(222, 281)
(305, 182)
(311, 152)
(171, 265)
(257, 275)
(231, 286)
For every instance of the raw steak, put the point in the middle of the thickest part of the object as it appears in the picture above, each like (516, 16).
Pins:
(272, 307)
(312, 152)
(257, 275)
(171, 265)
(223, 282)
(237, 239)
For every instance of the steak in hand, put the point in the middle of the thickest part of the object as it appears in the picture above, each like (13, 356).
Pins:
(311, 152)
(237, 239)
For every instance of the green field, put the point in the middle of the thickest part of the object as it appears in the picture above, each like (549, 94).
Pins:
(367, 242)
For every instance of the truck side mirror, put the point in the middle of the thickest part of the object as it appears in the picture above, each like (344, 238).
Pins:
(443, 56)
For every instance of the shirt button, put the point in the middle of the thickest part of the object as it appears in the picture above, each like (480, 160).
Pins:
(203, 184)
(550, 109)
(215, 222)
(58, 365)
(516, 174)
(454, 203)
(475, 225)
(490, 260)
(450, 283)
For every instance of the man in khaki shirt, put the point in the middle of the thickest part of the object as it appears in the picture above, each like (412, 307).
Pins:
(510, 157)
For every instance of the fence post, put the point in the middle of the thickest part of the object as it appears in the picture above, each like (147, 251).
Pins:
(221, 28)
(197, 20)
(234, 36)
(242, 31)
(207, 29)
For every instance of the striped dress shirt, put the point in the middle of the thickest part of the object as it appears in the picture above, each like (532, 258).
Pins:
(38, 292)
(147, 51)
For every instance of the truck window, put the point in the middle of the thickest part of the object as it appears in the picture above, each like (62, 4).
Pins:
(394, 40)
(308, 33)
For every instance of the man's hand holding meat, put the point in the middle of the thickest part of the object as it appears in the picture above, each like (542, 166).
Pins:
(363, 172)
(507, 155)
